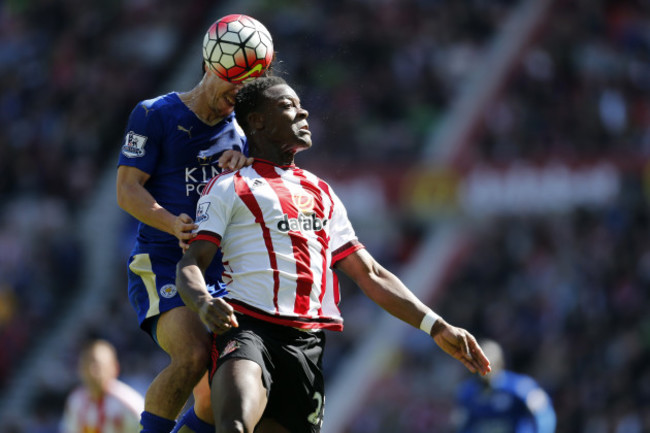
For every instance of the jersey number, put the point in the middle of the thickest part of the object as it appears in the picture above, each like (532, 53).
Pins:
(316, 416)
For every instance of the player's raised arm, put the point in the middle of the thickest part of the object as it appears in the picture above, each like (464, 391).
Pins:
(387, 291)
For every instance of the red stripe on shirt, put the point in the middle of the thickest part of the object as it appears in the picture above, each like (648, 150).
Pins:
(346, 250)
(319, 210)
(305, 277)
(337, 292)
(207, 236)
(212, 181)
(101, 413)
(332, 324)
(335, 280)
(246, 195)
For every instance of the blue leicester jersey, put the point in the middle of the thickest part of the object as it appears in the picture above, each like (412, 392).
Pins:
(166, 140)
(512, 403)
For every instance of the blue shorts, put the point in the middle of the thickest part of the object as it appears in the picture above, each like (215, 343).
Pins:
(152, 286)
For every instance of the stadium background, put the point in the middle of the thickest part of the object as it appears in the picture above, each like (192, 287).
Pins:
(493, 153)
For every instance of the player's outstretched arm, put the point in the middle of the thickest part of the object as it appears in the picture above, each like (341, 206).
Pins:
(388, 291)
(216, 313)
(133, 197)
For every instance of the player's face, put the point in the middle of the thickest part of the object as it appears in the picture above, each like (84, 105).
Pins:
(285, 119)
(98, 367)
(223, 94)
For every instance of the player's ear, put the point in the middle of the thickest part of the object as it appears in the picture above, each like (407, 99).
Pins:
(255, 121)
(204, 67)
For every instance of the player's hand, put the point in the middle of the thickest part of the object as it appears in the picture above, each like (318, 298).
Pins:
(462, 345)
(218, 315)
(184, 230)
(233, 160)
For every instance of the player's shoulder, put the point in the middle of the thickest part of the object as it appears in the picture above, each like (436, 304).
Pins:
(519, 379)
(77, 397)
(229, 130)
(160, 104)
(515, 383)
(168, 99)
(126, 395)
(220, 182)
(311, 176)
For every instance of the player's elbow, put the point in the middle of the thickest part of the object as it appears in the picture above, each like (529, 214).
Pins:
(183, 263)
(119, 193)
(123, 195)
(120, 198)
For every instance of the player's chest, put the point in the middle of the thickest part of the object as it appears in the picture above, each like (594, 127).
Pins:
(286, 206)
(103, 418)
(193, 150)
(185, 143)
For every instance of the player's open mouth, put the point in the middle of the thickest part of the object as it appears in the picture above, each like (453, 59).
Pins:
(305, 128)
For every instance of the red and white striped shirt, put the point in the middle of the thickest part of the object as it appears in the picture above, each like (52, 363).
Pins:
(117, 411)
(280, 229)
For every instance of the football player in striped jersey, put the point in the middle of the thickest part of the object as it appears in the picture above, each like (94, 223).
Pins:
(102, 403)
(282, 230)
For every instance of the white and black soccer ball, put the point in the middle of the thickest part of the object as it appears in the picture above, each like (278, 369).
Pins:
(237, 48)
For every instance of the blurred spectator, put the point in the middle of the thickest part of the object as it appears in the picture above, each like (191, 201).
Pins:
(566, 295)
(102, 403)
(503, 401)
(582, 91)
(69, 71)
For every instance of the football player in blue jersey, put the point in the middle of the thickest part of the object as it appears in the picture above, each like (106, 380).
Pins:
(503, 401)
(173, 145)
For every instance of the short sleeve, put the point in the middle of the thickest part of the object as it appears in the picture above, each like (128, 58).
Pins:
(142, 139)
(343, 239)
(215, 207)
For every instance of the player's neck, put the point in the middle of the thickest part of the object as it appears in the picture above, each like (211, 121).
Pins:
(276, 157)
(196, 101)
(96, 393)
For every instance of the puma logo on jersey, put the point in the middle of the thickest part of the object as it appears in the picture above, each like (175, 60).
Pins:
(184, 129)
(302, 223)
(146, 109)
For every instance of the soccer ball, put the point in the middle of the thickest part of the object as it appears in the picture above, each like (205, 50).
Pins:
(237, 48)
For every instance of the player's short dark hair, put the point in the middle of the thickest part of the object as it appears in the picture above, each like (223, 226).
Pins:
(250, 97)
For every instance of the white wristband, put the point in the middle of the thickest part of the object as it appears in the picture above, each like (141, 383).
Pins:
(428, 321)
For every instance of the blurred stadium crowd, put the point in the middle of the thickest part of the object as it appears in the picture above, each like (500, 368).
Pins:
(565, 292)
(69, 72)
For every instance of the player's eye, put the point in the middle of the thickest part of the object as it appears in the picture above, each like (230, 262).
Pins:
(290, 103)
